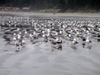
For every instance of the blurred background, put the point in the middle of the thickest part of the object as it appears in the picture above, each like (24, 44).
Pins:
(54, 6)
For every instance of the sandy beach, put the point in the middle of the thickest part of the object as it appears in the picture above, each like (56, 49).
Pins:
(51, 14)
(40, 59)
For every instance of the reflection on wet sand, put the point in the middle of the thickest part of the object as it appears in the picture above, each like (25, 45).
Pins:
(49, 46)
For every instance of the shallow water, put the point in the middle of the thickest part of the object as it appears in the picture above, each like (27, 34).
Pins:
(41, 58)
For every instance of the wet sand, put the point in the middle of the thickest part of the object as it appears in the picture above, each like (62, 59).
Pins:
(39, 59)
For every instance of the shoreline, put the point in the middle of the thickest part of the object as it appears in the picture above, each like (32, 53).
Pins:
(51, 14)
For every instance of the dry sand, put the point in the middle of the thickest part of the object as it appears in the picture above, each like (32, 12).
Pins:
(51, 14)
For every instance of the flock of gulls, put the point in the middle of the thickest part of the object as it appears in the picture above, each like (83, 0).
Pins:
(17, 29)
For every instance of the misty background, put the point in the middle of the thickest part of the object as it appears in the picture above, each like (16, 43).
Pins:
(54, 5)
